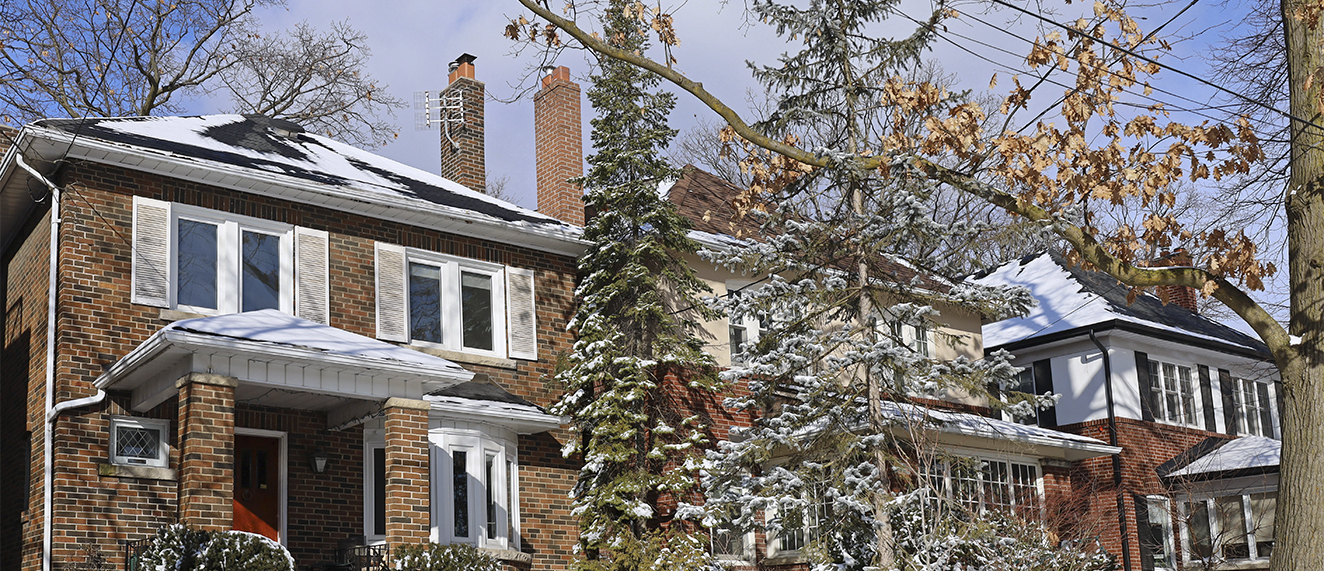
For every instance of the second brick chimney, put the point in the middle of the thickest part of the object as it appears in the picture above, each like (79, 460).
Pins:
(559, 142)
(1186, 297)
(463, 154)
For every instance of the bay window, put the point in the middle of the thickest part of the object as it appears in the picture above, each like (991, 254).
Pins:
(1234, 527)
(474, 486)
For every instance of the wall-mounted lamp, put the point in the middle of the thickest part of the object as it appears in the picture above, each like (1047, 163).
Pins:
(319, 460)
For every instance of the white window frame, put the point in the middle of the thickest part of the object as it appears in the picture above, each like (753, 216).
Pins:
(1169, 555)
(1216, 533)
(229, 271)
(810, 529)
(373, 439)
(162, 428)
(949, 482)
(452, 314)
(1242, 407)
(478, 442)
(746, 540)
(1192, 417)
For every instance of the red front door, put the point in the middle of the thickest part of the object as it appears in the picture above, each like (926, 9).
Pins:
(257, 485)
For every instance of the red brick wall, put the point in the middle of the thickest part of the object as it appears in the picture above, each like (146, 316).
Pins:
(408, 499)
(98, 325)
(206, 449)
(559, 146)
(1145, 445)
(465, 163)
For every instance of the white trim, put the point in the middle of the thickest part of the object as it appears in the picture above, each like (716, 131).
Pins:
(284, 495)
(477, 442)
(451, 270)
(230, 229)
(162, 428)
(373, 439)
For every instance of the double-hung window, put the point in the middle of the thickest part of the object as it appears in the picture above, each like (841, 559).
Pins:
(1174, 393)
(206, 261)
(801, 526)
(917, 337)
(743, 330)
(454, 304)
(1155, 523)
(1252, 407)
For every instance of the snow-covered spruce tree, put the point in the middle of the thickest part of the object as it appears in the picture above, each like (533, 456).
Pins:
(637, 344)
(849, 307)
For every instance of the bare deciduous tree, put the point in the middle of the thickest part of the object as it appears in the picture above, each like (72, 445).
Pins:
(116, 58)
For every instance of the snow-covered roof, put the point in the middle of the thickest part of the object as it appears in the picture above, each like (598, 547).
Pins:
(994, 429)
(273, 326)
(314, 366)
(1069, 298)
(253, 153)
(1245, 453)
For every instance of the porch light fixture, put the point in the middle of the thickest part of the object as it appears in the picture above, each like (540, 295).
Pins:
(319, 460)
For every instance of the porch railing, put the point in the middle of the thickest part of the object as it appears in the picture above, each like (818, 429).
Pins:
(133, 552)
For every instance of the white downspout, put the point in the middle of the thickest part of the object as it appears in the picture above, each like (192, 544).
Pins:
(52, 410)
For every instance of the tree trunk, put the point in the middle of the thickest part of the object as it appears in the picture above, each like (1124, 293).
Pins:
(1300, 512)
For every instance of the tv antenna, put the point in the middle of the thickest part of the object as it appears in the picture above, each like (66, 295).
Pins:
(443, 109)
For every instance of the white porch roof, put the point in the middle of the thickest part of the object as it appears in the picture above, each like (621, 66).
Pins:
(1245, 453)
(279, 360)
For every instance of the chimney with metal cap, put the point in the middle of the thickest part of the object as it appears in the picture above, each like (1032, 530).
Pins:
(559, 142)
(463, 152)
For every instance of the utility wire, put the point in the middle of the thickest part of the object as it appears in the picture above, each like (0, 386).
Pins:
(1149, 60)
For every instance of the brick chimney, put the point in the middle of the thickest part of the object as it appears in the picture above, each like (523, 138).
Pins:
(463, 155)
(559, 141)
(1183, 296)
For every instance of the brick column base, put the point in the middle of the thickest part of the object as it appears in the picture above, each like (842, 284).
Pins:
(408, 491)
(206, 450)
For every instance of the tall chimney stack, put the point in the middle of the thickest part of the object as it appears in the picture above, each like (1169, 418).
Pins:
(463, 155)
(559, 141)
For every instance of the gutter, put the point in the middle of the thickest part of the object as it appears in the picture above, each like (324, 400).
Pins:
(53, 410)
(1117, 456)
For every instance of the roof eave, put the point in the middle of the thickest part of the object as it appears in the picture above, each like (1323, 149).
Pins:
(1123, 325)
(560, 240)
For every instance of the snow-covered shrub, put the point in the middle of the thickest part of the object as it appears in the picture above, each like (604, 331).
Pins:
(938, 534)
(175, 547)
(178, 547)
(437, 557)
(243, 551)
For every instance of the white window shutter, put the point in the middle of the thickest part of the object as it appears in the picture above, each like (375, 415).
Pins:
(521, 318)
(151, 252)
(312, 298)
(392, 293)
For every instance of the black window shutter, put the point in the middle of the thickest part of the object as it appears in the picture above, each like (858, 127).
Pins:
(1226, 387)
(1207, 395)
(1145, 532)
(1043, 383)
(1266, 418)
(1147, 404)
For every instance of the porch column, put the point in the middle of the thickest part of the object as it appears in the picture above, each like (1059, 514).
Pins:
(206, 450)
(408, 501)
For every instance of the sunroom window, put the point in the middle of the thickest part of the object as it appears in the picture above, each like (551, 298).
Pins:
(1234, 527)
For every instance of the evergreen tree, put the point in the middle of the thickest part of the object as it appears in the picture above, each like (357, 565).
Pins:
(636, 324)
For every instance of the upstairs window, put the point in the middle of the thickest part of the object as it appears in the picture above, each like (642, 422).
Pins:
(454, 304)
(1253, 412)
(210, 262)
(1174, 394)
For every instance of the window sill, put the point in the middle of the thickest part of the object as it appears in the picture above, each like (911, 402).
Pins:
(792, 558)
(142, 472)
(172, 315)
(467, 358)
(508, 555)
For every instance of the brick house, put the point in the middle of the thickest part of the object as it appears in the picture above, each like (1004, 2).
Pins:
(1192, 403)
(243, 325)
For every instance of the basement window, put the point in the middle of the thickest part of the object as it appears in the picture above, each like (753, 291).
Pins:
(139, 442)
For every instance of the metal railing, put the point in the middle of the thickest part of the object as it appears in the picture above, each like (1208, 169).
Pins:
(133, 552)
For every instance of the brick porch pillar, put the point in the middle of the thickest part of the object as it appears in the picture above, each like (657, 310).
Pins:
(408, 502)
(206, 450)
